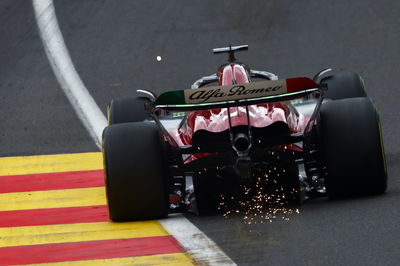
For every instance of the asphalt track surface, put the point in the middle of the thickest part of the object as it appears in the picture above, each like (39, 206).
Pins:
(114, 45)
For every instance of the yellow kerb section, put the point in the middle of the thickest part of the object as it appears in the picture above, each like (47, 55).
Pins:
(51, 163)
(78, 232)
(63, 233)
(52, 199)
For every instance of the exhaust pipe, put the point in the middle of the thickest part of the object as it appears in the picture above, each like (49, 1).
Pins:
(241, 142)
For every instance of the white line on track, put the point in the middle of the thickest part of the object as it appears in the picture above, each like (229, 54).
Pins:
(83, 103)
(202, 249)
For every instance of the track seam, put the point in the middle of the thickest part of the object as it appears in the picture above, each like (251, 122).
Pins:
(202, 249)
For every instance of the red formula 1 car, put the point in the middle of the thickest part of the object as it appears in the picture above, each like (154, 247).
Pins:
(249, 133)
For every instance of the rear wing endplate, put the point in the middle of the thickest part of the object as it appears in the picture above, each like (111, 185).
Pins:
(236, 94)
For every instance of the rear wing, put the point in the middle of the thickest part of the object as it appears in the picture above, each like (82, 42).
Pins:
(236, 94)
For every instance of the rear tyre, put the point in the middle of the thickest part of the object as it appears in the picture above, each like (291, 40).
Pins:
(341, 86)
(352, 148)
(135, 172)
(127, 110)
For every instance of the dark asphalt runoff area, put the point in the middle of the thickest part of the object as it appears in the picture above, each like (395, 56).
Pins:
(114, 45)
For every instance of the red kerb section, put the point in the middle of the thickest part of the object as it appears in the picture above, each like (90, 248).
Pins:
(50, 181)
(90, 214)
(89, 250)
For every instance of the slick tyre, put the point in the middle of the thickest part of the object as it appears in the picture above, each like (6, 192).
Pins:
(346, 85)
(135, 172)
(127, 110)
(352, 148)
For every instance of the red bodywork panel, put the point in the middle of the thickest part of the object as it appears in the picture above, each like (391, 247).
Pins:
(216, 120)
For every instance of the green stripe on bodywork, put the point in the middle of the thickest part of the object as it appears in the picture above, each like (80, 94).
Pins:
(171, 98)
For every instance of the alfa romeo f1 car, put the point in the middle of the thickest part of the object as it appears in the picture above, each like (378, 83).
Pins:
(313, 137)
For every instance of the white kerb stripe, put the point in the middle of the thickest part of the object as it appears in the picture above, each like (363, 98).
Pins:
(85, 107)
(202, 249)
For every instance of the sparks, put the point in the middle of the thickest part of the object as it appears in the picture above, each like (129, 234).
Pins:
(259, 203)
